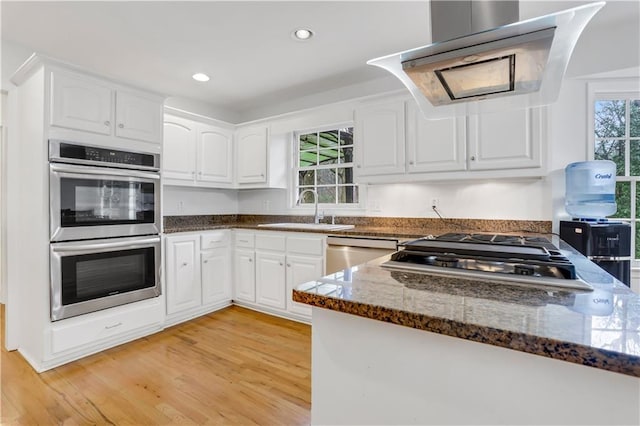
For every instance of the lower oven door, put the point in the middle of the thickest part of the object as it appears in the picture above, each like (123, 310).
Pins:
(101, 202)
(88, 276)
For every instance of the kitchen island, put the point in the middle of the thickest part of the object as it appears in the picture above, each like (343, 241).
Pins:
(397, 347)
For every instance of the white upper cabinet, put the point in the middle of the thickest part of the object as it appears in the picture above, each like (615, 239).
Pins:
(196, 153)
(88, 104)
(138, 117)
(488, 145)
(380, 138)
(81, 103)
(252, 154)
(179, 149)
(507, 140)
(214, 154)
(434, 145)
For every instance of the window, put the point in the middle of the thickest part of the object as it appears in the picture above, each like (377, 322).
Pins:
(616, 136)
(324, 163)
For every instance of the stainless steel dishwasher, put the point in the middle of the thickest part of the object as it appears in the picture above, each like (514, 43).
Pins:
(344, 251)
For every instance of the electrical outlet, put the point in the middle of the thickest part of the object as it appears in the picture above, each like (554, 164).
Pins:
(435, 203)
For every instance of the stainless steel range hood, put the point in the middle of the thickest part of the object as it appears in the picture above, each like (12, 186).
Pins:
(501, 65)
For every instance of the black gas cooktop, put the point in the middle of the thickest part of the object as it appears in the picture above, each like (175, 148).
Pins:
(530, 259)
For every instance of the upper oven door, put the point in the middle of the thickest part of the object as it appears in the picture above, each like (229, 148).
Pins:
(96, 202)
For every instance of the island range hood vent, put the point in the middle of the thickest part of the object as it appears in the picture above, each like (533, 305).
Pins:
(483, 61)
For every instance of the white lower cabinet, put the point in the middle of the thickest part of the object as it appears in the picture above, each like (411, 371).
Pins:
(269, 265)
(215, 273)
(80, 332)
(270, 270)
(198, 274)
(183, 274)
(301, 269)
(244, 257)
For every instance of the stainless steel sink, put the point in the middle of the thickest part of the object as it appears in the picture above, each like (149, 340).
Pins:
(316, 226)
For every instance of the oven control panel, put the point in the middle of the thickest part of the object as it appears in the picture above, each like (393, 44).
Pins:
(69, 152)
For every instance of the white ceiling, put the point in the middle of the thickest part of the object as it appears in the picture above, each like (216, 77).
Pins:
(245, 47)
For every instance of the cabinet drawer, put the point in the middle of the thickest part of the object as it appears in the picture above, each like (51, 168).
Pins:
(86, 331)
(270, 242)
(214, 240)
(305, 245)
(245, 239)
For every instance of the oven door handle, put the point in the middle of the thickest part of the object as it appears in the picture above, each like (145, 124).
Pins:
(102, 172)
(103, 245)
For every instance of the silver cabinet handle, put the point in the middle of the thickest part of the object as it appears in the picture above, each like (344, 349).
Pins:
(358, 166)
(205, 261)
(473, 158)
(200, 173)
(184, 264)
(281, 264)
(129, 243)
(411, 163)
(250, 260)
(261, 174)
(288, 265)
(121, 125)
(107, 327)
(107, 123)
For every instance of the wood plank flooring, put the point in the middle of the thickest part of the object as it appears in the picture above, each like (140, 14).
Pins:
(234, 366)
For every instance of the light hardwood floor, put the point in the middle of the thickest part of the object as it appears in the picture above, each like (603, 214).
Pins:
(234, 366)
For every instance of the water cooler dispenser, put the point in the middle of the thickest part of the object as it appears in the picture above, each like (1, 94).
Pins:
(608, 244)
(590, 198)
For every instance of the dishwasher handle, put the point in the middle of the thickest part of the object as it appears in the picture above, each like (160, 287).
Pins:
(382, 243)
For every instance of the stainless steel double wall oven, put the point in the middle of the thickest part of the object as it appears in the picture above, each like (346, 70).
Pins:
(104, 227)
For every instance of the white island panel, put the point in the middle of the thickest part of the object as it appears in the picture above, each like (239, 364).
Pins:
(370, 372)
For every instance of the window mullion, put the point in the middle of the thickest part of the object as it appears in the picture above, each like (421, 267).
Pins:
(627, 134)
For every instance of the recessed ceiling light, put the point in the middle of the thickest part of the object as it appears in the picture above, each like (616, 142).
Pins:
(200, 77)
(302, 34)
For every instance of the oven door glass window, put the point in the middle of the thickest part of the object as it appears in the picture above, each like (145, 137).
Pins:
(94, 202)
(93, 276)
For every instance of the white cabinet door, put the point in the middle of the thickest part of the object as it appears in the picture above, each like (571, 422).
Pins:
(244, 275)
(252, 145)
(179, 149)
(81, 103)
(183, 273)
(138, 117)
(380, 139)
(434, 145)
(301, 269)
(216, 280)
(506, 140)
(214, 154)
(271, 285)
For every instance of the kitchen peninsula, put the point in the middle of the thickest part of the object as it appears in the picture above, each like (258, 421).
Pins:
(391, 346)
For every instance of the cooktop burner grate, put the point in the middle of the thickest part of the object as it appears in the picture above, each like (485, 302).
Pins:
(514, 255)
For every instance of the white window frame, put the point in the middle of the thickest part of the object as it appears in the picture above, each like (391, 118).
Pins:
(323, 207)
(626, 88)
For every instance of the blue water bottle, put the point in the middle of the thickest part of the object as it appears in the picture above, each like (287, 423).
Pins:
(591, 189)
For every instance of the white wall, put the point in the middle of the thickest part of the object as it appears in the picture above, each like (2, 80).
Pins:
(179, 201)
(13, 55)
(3, 204)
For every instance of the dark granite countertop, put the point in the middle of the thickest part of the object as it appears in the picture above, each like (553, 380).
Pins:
(363, 226)
(600, 329)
